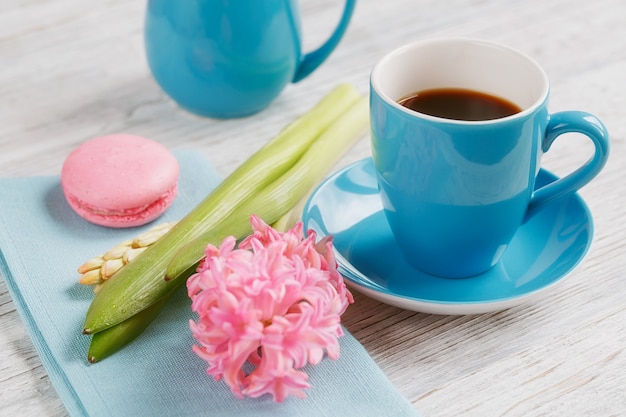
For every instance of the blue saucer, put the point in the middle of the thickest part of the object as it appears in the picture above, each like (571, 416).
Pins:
(547, 247)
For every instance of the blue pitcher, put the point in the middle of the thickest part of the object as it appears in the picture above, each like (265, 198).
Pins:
(230, 58)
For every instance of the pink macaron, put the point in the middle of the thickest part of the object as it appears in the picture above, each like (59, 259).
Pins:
(120, 180)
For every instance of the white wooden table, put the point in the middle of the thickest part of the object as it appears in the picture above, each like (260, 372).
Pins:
(74, 69)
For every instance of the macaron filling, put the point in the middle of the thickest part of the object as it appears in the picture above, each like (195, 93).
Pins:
(126, 217)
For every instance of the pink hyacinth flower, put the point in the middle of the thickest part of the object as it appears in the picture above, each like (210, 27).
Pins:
(270, 306)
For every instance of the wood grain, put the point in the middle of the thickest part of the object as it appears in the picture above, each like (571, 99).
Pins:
(71, 70)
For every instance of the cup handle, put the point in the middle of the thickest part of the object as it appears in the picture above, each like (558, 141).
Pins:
(567, 122)
(313, 59)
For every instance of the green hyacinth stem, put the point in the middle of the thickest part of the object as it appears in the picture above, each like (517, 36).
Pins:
(276, 199)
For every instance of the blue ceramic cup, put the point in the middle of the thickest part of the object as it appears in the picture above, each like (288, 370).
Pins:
(455, 191)
(227, 59)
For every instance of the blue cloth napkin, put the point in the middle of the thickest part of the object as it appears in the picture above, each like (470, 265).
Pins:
(42, 242)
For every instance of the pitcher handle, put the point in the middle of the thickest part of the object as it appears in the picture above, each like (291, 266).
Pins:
(313, 59)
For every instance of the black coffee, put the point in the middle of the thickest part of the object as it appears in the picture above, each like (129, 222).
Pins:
(459, 104)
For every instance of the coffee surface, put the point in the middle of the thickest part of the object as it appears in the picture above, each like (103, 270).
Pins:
(459, 104)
